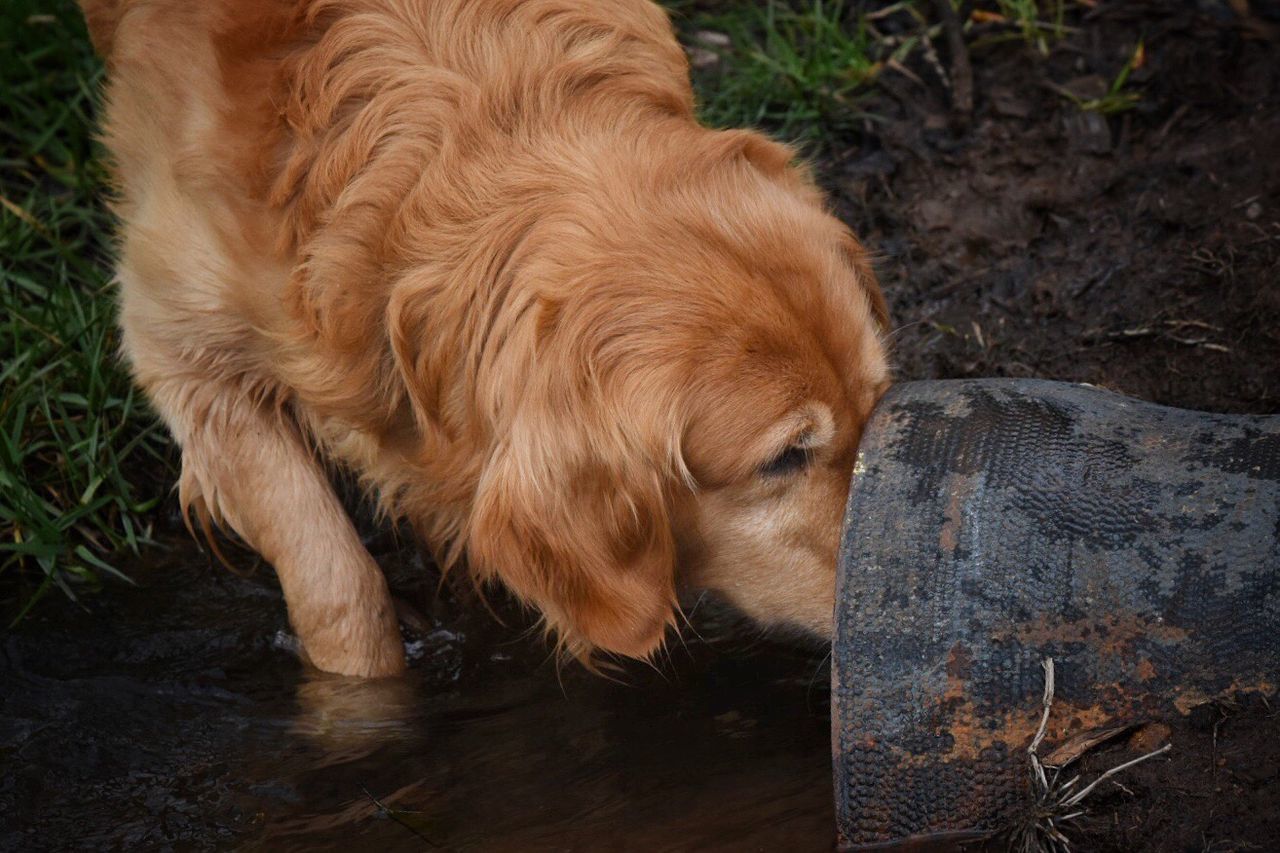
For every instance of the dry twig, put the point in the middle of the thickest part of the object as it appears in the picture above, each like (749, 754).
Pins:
(1041, 831)
(961, 72)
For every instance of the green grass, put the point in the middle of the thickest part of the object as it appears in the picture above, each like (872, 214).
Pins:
(76, 441)
(1039, 23)
(1118, 98)
(799, 68)
(794, 69)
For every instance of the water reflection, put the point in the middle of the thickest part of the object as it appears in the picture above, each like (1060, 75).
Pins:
(349, 718)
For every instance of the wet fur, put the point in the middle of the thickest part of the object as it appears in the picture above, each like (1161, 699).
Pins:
(481, 254)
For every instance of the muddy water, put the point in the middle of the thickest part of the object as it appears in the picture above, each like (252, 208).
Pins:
(174, 715)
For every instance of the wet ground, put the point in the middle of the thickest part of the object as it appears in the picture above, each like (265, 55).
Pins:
(174, 715)
(1140, 252)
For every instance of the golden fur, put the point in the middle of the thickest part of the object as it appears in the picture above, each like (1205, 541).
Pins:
(481, 253)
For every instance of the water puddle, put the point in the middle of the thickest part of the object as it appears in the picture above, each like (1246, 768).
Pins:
(174, 715)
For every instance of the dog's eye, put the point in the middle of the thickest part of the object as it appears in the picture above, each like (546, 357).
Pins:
(792, 459)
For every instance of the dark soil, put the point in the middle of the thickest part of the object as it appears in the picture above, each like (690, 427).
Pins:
(1218, 789)
(1139, 252)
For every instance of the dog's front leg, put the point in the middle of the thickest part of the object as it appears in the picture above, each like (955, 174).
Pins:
(244, 463)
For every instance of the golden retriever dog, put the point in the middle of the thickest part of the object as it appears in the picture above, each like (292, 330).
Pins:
(481, 254)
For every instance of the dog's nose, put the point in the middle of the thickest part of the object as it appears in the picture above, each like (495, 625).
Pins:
(994, 525)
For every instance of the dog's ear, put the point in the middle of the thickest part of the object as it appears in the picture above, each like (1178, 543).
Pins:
(857, 258)
(101, 17)
(577, 526)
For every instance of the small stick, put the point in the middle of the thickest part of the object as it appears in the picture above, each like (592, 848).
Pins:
(394, 814)
(1113, 771)
(1047, 701)
(961, 71)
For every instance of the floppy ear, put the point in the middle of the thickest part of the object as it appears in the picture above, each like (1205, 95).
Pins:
(101, 16)
(861, 263)
(587, 540)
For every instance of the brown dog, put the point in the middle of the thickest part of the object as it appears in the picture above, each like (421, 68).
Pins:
(480, 253)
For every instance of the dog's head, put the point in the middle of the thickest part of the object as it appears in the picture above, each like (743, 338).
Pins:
(678, 395)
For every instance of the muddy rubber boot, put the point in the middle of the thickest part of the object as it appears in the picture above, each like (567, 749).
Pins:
(993, 524)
